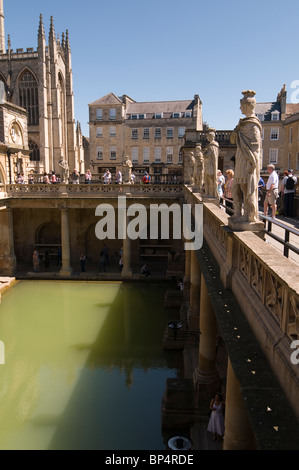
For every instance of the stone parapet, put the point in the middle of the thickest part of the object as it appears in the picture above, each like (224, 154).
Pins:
(265, 285)
(92, 190)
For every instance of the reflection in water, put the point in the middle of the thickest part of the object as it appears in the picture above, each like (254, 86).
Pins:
(85, 367)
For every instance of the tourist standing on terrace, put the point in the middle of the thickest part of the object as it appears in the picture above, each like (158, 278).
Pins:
(272, 190)
(87, 177)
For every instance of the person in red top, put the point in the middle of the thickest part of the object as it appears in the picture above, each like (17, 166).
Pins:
(53, 178)
(146, 178)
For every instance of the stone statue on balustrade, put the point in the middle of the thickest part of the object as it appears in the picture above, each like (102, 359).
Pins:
(211, 153)
(191, 165)
(198, 168)
(247, 137)
(127, 170)
(65, 171)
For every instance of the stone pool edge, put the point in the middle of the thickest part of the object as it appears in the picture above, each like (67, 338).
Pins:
(6, 283)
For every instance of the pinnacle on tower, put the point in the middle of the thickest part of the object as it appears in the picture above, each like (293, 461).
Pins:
(67, 40)
(41, 31)
(2, 32)
(52, 30)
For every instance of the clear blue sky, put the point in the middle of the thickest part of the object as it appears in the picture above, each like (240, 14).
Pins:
(163, 50)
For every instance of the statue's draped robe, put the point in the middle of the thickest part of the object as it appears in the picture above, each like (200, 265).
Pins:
(210, 168)
(248, 163)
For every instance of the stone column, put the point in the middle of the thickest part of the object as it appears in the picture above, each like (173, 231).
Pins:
(7, 255)
(66, 269)
(187, 275)
(127, 268)
(206, 371)
(238, 432)
(194, 308)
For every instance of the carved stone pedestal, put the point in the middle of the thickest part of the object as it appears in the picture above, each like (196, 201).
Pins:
(196, 190)
(178, 404)
(239, 225)
(213, 200)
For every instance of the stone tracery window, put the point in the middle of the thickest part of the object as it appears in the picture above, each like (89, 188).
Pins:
(28, 97)
(34, 151)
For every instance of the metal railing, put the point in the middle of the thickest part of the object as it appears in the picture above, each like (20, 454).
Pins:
(287, 246)
(269, 222)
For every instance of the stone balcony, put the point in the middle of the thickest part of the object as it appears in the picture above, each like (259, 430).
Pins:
(76, 191)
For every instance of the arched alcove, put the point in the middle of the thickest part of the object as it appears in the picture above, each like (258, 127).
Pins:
(48, 234)
(93, 246)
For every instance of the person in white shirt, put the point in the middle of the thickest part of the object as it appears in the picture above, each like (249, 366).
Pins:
(118, 177)
(272, 190)
(107, 177)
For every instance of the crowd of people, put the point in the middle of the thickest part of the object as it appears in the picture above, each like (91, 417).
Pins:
(39, 258)
(277, 193)
(76, 178)
(107, 177)
(279, 196)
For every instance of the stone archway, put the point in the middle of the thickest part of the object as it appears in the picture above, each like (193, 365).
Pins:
(48, 234)
(93, 247)
(48, 242)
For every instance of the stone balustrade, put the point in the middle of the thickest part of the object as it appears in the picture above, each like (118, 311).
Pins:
(271, 279)
(265, 285)
(92, 190)
(221, 136)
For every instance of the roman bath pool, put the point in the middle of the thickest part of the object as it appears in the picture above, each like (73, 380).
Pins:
(84, 366)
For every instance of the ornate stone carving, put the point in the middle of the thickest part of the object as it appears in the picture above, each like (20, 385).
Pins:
(191, 165)
(127, 170)
(274, 296)
(247, 137)
(64, 170)
(293, 317)
(198, 167)
(211, 154)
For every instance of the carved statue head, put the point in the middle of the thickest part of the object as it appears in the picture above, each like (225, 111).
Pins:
(211, 135)
(248, 102)
(198, 150)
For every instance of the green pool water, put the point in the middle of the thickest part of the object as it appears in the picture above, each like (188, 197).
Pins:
(84, 366)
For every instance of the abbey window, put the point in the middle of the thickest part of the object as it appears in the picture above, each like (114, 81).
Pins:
(28, 97)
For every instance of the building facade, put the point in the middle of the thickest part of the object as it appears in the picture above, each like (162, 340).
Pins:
(14, 150)
(279, 134)
(291, 127)
(151, 134)
(40, 81)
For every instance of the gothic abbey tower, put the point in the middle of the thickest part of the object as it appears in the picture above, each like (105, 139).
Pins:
(41, 82)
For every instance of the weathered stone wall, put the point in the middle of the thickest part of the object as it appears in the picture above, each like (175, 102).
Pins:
(265, 284)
